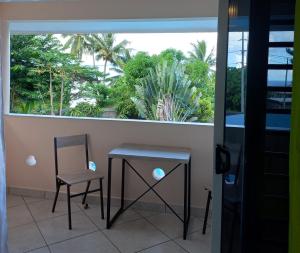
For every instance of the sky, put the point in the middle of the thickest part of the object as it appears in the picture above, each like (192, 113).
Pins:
(154, 43)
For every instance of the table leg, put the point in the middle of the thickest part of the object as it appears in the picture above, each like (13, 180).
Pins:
(108, 193)
(123, 184)
(189, 192)
(185, 218)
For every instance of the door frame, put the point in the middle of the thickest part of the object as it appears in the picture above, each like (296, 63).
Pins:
(219, 121)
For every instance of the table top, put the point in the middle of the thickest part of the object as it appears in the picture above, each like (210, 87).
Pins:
(137, 151)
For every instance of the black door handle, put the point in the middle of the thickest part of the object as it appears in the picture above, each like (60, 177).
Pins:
(222, 159)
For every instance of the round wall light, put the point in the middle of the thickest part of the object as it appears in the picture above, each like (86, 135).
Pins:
(158, 174)
(31, 161)
(92, 166)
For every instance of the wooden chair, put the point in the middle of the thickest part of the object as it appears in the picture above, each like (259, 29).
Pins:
(86, 176)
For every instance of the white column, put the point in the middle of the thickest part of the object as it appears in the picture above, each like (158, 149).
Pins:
(5, 64)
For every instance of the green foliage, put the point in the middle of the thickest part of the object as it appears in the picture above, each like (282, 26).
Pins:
(200, 53)
(168, 86)
(108, 50)
(43, 74)
(121, 94)
(85, 109)
(233, 89)
(166, 94)
(78, 44)
(98, 91)
(171, 55)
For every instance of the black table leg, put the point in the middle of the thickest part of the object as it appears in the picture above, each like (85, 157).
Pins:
(189, 191)
(123, 184)
(108, 193)
(185, 214)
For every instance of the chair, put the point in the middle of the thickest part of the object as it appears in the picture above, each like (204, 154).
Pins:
(86, 176)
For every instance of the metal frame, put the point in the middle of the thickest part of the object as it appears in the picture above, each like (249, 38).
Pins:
(219, 123)
(60, 182)
(187, 193)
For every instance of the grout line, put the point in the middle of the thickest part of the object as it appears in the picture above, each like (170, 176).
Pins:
(35, 222)
(101, 231)
(71, 238)
(150, 247)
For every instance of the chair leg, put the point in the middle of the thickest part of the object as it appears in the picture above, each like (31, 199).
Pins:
(86, 190)
(69, 207)
(206, 212)
(101, 199)
(56, 196)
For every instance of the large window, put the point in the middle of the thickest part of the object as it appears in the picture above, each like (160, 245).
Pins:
(151, 76)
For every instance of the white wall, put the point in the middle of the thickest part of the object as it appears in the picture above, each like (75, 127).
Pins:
(26, 135)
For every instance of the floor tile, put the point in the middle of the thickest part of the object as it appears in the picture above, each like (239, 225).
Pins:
(18, 215)
(57, 230)
(14, 200)
(196, 242)
(24, 238)
(41, 250)
(91, 243)
(172, 226)
(135, 235)
(42, 210)
(30, 200)
(167, 247)
(146, 213)
(94, 214)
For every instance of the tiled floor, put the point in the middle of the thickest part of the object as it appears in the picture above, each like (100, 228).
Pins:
(33, 228)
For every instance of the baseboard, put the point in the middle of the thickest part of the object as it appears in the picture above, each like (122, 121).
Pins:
(93, 199)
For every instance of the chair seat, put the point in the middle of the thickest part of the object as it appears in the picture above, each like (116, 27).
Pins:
(79, 177)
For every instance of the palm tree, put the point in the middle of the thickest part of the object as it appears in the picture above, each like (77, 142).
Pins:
(166, 94)
(79, 44)
(200, 53)
(108, 50)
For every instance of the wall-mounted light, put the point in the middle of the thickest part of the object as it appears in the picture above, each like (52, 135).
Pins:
(158, 174)
(233, 9)
(92, 166)
(31, 161)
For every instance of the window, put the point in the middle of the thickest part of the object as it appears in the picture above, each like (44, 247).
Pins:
(161, 76)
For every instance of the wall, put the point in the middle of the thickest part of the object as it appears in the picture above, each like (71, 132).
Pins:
(112, 9)
(25, 135)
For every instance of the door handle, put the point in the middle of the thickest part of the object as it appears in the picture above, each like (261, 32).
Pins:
(222, 159)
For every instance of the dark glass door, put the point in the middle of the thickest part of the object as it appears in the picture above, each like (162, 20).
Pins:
(252, 121)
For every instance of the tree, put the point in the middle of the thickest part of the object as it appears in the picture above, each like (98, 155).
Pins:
(44, 76)
(233, 90)
(200, 53)
(108, 50)
(166, 94)
(79, 44)
(84, 109)
(171, 55)
(123, 89)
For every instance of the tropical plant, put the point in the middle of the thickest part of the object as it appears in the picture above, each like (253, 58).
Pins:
(107, 49)
(98, 92)
(79, 44)
(166, 94)
(200, 53)
(85, 109)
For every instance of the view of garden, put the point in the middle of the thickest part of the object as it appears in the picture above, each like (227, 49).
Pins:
(50, 77)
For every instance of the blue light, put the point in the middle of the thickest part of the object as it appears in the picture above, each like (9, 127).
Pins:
(158, 174)
(92, 166)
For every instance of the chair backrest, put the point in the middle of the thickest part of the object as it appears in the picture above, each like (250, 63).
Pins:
(70, 141)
